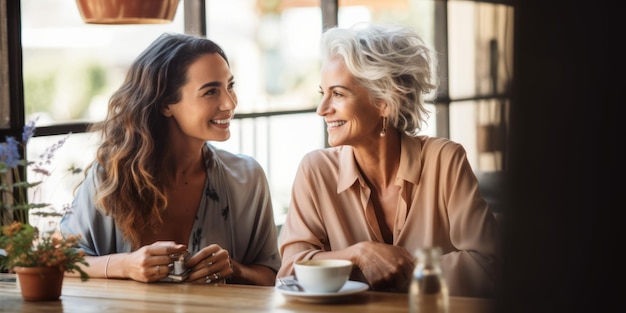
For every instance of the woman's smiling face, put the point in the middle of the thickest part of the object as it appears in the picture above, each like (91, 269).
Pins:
(351, 117)
(208, 100)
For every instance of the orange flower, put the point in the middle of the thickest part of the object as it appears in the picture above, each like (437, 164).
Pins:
(25, 247)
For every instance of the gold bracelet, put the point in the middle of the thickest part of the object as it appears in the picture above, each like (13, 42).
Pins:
(106, 267)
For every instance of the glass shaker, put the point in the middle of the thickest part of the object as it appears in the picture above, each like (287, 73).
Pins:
(428, 292)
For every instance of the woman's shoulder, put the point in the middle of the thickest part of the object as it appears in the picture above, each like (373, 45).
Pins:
(330, 155)
(92, 172)
(437, 143)
(438, 147)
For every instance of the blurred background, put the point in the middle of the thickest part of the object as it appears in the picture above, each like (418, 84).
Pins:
(70, 69)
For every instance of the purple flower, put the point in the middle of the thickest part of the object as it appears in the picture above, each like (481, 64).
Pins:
(46, 157)
(29, 131)
(9, 153)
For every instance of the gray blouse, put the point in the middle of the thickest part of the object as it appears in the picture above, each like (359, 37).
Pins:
(235, 212)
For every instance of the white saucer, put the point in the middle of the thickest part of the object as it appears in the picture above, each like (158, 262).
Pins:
(349, 288)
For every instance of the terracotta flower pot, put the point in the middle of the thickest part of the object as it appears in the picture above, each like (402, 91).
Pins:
(40, 283)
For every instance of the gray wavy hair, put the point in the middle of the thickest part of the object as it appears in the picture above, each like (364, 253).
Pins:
(393, 63)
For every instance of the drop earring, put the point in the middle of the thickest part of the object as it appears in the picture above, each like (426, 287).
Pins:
(383, 131)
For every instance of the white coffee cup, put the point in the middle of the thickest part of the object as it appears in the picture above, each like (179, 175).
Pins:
(324, 276)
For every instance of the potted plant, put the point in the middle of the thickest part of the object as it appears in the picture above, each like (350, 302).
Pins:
(39, 259)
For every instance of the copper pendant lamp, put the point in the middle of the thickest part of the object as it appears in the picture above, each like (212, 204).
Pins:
(127, 11)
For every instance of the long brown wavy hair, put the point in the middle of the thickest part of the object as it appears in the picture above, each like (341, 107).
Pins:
(133, 134)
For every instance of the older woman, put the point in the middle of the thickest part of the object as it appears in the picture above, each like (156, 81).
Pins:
(159, 191)
(382, 191)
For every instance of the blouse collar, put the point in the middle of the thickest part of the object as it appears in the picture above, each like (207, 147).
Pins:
(409, 170)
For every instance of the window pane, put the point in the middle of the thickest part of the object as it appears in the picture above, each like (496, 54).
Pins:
(273, 50)
(481, 126)
(71, 68)
(480, 63)
(66, 168)
(418, 14)
(480, 48)
(278, 143)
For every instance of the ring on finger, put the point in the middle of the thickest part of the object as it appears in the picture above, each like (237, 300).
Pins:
(158, 269)
(209, 264)
(216, 275)
(207, 279)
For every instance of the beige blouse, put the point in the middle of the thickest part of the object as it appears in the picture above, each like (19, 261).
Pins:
(441, 206)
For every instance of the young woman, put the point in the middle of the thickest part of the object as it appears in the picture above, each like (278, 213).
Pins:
(158, 189)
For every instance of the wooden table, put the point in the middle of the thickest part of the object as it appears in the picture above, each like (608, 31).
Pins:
(109, 295)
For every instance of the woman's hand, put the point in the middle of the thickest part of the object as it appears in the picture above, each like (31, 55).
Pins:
(212, 264)
(153, 262)
(384, 266)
